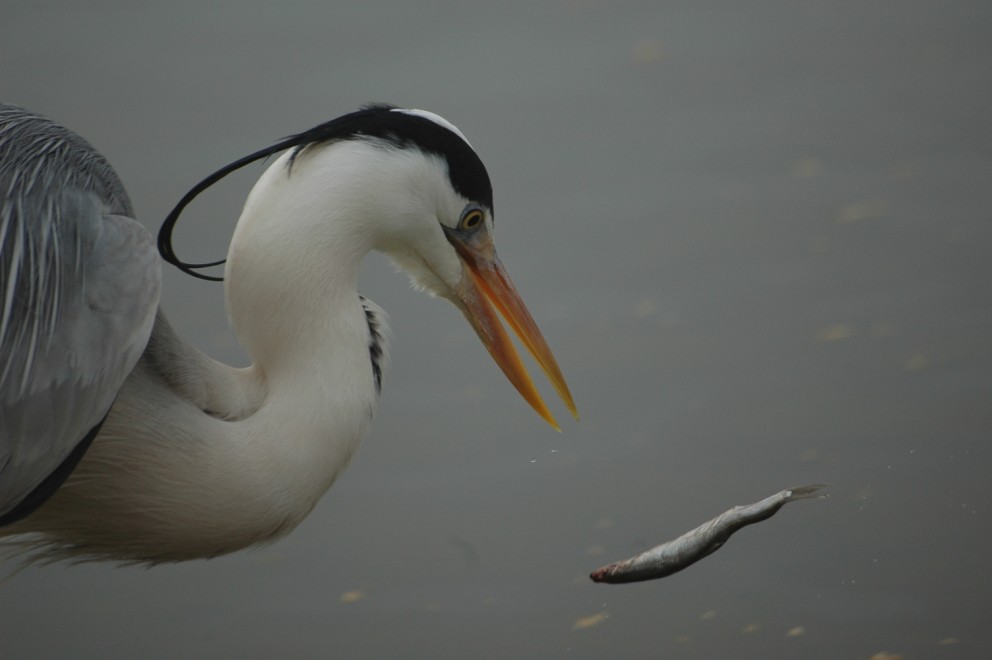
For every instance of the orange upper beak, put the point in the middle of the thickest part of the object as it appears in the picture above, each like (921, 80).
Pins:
(485, 287)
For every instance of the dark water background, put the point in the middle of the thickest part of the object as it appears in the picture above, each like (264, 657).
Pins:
(757, 236)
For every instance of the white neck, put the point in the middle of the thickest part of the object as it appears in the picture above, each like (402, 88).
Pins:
(277, 433)
(293, 264)
(292, 297)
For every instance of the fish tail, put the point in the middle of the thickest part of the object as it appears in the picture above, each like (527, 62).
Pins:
(804, 492)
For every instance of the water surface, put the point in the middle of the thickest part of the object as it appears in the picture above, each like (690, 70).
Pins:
(756, 236)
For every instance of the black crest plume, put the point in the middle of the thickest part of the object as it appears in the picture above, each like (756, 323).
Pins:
(467, 173)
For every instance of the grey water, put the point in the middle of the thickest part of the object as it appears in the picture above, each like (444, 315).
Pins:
(757, 237)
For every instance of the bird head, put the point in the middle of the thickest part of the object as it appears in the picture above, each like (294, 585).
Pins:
(409, 184)
(445, 243)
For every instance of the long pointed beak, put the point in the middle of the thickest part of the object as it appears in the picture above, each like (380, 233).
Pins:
(486, 287)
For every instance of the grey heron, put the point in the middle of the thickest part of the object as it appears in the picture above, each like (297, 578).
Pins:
(118, 440)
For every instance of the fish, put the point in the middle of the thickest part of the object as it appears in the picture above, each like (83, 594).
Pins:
(675, 555)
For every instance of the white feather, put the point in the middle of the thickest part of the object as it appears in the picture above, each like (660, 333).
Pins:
(197, 459)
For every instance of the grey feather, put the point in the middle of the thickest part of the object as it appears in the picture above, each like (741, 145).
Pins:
(79, 284)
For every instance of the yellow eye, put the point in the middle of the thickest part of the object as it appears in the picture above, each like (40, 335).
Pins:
(471, 220)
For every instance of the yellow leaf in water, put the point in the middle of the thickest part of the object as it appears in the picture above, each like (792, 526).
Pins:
(352, 596)
(835, 332)
(590, 621)
(796, 631)
(645, 308)
(806, 167)
(864, 210)
(647, 51)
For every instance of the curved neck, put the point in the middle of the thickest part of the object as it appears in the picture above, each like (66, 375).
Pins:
(292, 266)
(262, 444)
(291, 285)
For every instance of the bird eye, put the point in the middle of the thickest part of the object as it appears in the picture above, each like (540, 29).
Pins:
(471, 219)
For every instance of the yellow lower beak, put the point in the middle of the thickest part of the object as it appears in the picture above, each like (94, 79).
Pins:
(485, 286)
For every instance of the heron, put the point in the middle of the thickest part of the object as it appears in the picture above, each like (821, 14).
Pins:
(119, 441)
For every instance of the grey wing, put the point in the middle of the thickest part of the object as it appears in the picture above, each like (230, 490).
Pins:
(79, 283)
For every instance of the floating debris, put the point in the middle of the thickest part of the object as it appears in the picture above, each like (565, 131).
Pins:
(353, 596)
(835, 332)
(647, 51)
(672, 557)
(646, 308)
(590, 621)
(796, 631)
(806, 167)
(863, 210)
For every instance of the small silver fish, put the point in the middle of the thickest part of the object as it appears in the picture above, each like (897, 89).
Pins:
(672, 557)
